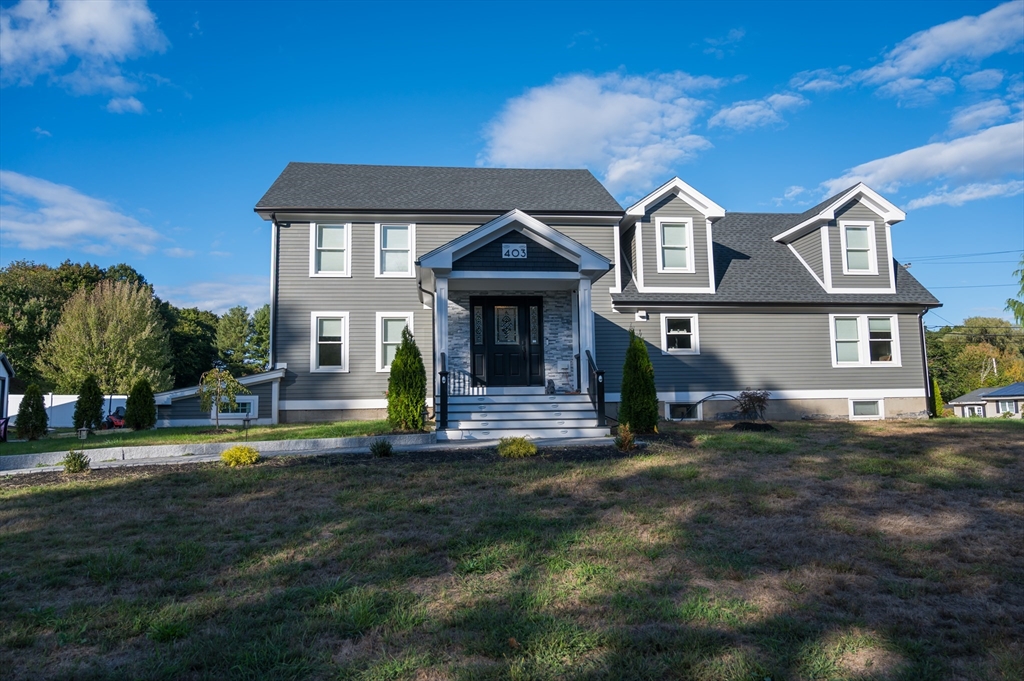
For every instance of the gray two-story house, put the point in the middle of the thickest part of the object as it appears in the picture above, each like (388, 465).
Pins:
(520, 287)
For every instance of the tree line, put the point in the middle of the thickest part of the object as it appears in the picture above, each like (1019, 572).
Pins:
(59, 325)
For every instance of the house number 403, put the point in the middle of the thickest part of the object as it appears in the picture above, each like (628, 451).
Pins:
(513, 250)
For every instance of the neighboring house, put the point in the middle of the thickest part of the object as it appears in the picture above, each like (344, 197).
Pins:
(519, 282)
(6, 374)
(991, 402)
(182, 407)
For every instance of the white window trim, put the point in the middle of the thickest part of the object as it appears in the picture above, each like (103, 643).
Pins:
(972, 411)
(881, 410)
(691, 266)
(381, 316)
(1012, 403)
(377, 261)
(872, 247)
(695, 350)
(668, 411)
(863, 342)
(313, 317)
(313, 228)
(254, 412)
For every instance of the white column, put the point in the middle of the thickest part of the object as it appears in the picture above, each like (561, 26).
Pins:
(577, 348)
(586, 332)
(440, 320)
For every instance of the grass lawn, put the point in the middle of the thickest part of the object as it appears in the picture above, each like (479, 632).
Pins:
(196, 435)
(888, 550)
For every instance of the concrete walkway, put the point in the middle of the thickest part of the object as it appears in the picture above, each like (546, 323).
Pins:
(459, 445)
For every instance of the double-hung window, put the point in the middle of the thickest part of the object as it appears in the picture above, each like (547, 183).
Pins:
(679, 335)
(330, 250)
(328, 348)
(675, 244)
(396, 249)
(1006, 407)
(389, 336)
(858, 243)
(864, 340)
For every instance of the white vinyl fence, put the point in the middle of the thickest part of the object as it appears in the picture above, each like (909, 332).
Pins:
(61, 408)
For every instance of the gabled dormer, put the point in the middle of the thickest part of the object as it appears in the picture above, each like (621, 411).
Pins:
(845, 241)
(665, 241)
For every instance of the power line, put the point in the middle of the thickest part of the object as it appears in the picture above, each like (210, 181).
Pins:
(974, 286)
(963, 262)
(960, 255)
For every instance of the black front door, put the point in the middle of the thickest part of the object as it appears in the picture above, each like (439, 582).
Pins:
(507, 341)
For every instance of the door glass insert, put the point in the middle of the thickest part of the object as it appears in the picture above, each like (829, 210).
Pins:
(534, 325)
(478, 324)
(506, 324)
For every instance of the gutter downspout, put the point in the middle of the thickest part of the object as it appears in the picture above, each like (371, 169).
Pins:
(273, 289)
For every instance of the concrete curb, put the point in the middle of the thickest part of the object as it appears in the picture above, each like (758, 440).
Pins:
(213, 449)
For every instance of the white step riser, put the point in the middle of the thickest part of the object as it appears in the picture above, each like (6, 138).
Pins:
(517, 399)
(517, 408)
(520, 415)
(540, 434)
(538, 424)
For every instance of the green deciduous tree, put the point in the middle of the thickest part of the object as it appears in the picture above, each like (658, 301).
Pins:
(89, 407)
(407, 386)
(258, 349)
(233, 332)
(32, 418)
(140, 409)
(219, 387)
(639, 402)
(113, 332)
(193, 342)
(1015, 306)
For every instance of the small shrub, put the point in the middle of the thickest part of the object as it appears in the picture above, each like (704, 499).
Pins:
(516, 448)
(407, 386)
(240, 455)
(140, 409)
(75, 462)
(752, 403)
(381, 448)
(624, 440)
(1006, 415)
(936, 405)
(89, 406)
(639, 405)
(32, 418)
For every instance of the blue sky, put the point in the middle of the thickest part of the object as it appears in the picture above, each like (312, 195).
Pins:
(145, 133)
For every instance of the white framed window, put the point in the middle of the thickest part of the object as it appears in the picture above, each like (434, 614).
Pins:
(864, 340)
(860, 255)
(328, 342)
(389, 336)
(675, 244)
(396, 249)
(867, 410)
(330, 250)
(1006, 406)
(974, 411)
(679, 334)
(246, 406)
(683, 411)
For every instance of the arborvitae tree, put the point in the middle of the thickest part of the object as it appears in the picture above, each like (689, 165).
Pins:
(89, 407)
(140, 409)
(936, 404)
(407, 386)
(32, 418)
(639, 405)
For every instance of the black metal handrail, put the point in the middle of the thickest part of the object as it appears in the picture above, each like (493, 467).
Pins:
(595, 388)
(441, 412)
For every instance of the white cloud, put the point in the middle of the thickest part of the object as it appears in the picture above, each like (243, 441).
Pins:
(986, 79)
(716, 44)
(756, 113)
(38, 38)
(37, 214)
(42, 133)
(790, 195)
(125, 105)
(820, 80)
(219, 296)
(917, 91)
(970, 192)
(628, 129)
(980, 115)
(177, 252)
(985, 155)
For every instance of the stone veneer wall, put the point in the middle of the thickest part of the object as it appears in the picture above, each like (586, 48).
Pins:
(558, 340)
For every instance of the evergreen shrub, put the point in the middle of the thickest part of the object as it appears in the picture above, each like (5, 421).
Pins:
(75, 462)
(624, 439)
(407, 386)
(89, 407)
(381, 448)
(140, 408)
(516, 448)
(639, 405)
(32, 418)
(936, 405)
(240, 455)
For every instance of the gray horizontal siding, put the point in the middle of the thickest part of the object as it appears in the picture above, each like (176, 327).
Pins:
(189, 407)
(773, 351)
(676, 208)
(538, 258)
(809, 248)
(858, 211)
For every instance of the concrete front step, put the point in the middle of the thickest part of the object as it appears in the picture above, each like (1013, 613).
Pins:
(518, 408)
(531, 433)
(517, 399)
(520, 415)
(528, 424)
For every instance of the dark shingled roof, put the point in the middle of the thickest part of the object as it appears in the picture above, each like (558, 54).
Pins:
(751, 268)
(330, 186)
(973, 397)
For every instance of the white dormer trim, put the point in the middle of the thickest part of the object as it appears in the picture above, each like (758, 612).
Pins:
(826, 262)
(674, 187)
(888, 211)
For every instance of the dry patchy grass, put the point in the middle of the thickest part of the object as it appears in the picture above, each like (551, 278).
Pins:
(825, 551)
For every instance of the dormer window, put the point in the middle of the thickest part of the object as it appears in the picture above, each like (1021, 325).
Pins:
(675, 244)
(858, 242)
